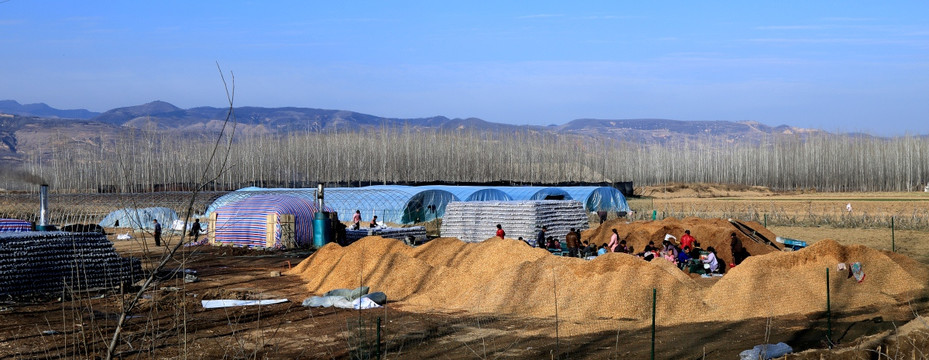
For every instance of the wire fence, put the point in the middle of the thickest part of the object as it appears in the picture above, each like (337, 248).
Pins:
(772, 214)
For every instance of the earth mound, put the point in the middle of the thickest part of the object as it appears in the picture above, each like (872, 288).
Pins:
(708, 232)
(782, 283)
(505, 276)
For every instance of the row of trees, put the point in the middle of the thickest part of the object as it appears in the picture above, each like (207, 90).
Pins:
(823, 162)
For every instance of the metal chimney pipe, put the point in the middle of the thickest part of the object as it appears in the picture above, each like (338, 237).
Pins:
(43, 205)
(319, 197)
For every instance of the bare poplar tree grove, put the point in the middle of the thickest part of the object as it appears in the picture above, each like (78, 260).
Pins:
(147, 159)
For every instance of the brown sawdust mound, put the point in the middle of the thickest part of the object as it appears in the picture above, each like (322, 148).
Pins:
(500, 276)
(708, 232)
(508, 277)
(795, 282)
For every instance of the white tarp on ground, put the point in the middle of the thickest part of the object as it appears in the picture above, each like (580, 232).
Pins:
(215, 304)
(476, 221)
(340, 302)
(358, 299)
(767, 351)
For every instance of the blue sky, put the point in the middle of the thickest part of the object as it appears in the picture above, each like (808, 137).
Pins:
(834, 65)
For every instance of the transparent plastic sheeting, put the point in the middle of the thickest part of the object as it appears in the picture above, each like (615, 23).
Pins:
(411, 204)
(472, 193)
(139, 218)
(46, 263)
(476, 221)
(599, 198)
(535, 193)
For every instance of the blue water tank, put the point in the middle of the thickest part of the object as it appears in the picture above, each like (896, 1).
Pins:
(322, 230)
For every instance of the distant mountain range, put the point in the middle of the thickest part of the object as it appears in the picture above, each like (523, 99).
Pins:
(27, 127)
(42, 110)
(165, 116)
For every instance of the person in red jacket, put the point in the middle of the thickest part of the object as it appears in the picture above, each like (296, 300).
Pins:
(500, 231)
(687, 241)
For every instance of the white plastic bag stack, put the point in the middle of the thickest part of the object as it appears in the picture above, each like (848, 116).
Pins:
(475, 221)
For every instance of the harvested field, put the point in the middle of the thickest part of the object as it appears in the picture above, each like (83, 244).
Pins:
(805, 209)
(448, 299)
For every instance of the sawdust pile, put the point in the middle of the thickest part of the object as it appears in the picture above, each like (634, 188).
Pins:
(708, 232)
(508, 277)
(502, 276)
(795, 282)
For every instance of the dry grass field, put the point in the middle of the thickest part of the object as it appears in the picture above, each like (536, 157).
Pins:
(170, 323)
(807, 216)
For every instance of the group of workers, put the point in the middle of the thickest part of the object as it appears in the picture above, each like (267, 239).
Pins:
(687, 254)
(356, 221)
(543, 240)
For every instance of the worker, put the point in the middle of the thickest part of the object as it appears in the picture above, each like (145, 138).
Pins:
(739, 253)
(356, 220)
(500, 233)
(710, 259)
(157, 233)
(687, 241)
(540, 238)
(572, 241)
(614, 241)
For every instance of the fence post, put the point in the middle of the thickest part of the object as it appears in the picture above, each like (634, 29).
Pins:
(377, 345)
(828, 311)
(893, 242)
(766, 220)
(654, 302)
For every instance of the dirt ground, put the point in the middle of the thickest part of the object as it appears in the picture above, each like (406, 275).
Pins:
(171, 323)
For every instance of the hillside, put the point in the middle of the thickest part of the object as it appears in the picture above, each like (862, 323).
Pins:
(42, 110)
(22, 135)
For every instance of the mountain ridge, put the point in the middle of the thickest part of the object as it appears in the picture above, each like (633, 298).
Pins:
(13, 107)
(163, 115)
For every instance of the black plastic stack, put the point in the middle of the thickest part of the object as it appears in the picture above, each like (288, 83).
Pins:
(55, 263)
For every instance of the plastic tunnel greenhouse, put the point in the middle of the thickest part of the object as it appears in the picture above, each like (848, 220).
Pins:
(423, 204)
(247, 192)
(536, 193)
(599, 198)
(473, 193)
(400, 204)
(139, 218)
(248, 222)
